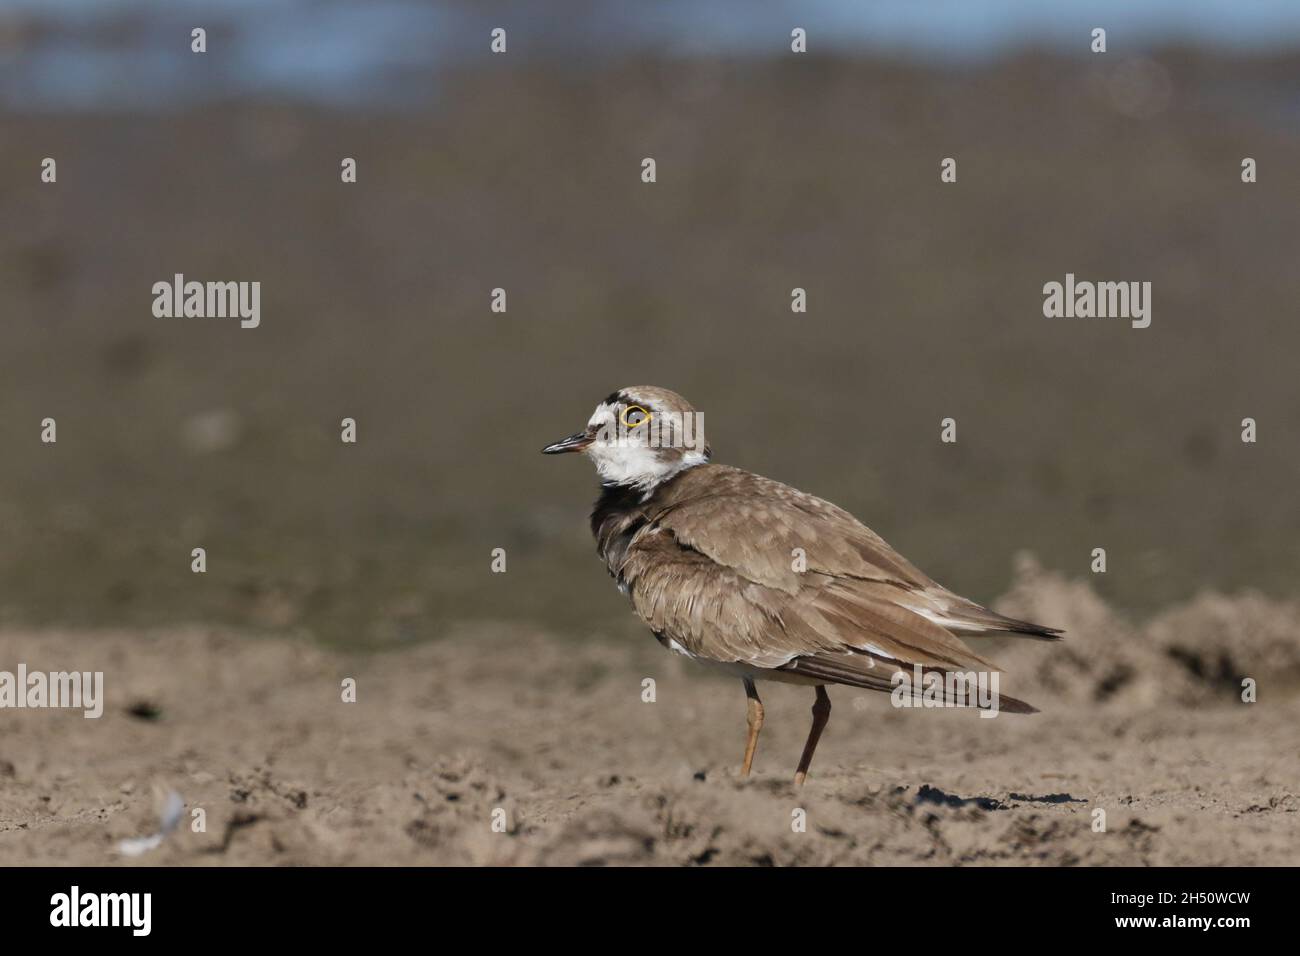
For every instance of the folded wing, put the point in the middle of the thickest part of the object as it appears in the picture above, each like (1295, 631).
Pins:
(758, 573)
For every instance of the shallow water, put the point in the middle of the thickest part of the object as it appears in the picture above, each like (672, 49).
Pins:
(80, 54)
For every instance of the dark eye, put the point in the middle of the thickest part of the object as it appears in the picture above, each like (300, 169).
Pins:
(634, 415)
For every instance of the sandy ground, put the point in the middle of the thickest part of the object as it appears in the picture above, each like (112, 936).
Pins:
(1143, 723)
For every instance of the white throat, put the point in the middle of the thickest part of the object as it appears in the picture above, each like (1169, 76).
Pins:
(638, 467)
(626, 459)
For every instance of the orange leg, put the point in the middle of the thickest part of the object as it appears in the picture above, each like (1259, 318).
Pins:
(821, 710)
(755, 725)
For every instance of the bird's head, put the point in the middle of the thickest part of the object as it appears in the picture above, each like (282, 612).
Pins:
(639, 437)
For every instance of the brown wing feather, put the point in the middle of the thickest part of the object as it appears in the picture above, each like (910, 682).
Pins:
(710, 565)
(716, 509)
(752, 523)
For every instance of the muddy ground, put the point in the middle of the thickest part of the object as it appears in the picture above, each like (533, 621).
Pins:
(1143, 723)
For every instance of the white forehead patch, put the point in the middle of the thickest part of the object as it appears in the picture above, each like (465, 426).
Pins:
(602, 416)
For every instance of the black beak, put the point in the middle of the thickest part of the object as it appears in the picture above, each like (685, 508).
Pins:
(573, 443)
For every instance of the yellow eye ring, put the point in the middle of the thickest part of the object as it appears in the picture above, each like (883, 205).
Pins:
(622, 417)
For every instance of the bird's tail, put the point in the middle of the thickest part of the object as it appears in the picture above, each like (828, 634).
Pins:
(869, 672)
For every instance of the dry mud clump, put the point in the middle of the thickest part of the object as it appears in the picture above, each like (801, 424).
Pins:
(1187, 655)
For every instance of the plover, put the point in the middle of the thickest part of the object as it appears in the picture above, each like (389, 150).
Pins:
(760, 579)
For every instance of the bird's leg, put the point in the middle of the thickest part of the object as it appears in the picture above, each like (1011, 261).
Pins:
(821, 709)
(755, 725)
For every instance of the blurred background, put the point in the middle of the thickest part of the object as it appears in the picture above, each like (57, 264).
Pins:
(522, 171)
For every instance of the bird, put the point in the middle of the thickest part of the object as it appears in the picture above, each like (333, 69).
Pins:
(760, 580)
